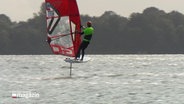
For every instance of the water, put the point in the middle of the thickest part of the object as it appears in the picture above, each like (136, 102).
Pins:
(106, 79)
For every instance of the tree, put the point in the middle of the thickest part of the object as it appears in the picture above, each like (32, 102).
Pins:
(153, 31)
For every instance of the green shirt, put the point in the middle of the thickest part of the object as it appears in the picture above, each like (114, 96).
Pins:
(88, 32)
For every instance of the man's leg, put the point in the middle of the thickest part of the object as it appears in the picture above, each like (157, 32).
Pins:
(85, 45)
(78, 53)
(83, 52)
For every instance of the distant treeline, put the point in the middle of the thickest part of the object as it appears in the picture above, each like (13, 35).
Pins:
(151, 32)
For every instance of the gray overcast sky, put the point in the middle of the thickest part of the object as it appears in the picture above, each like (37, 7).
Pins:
(21, 10)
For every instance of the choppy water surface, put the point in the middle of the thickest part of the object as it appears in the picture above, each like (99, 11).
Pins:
(106, 79)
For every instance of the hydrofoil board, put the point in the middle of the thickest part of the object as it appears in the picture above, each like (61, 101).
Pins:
(69, 60)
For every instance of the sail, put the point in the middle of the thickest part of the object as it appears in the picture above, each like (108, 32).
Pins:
(63, 22)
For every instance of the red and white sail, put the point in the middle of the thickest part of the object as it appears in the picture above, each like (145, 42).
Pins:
(63, 26)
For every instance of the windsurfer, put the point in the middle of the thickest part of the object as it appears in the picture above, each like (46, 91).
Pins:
(88, 32)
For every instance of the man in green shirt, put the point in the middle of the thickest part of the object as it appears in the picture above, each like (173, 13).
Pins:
(88, 32)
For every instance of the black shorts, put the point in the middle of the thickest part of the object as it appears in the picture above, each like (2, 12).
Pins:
(84, 45)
